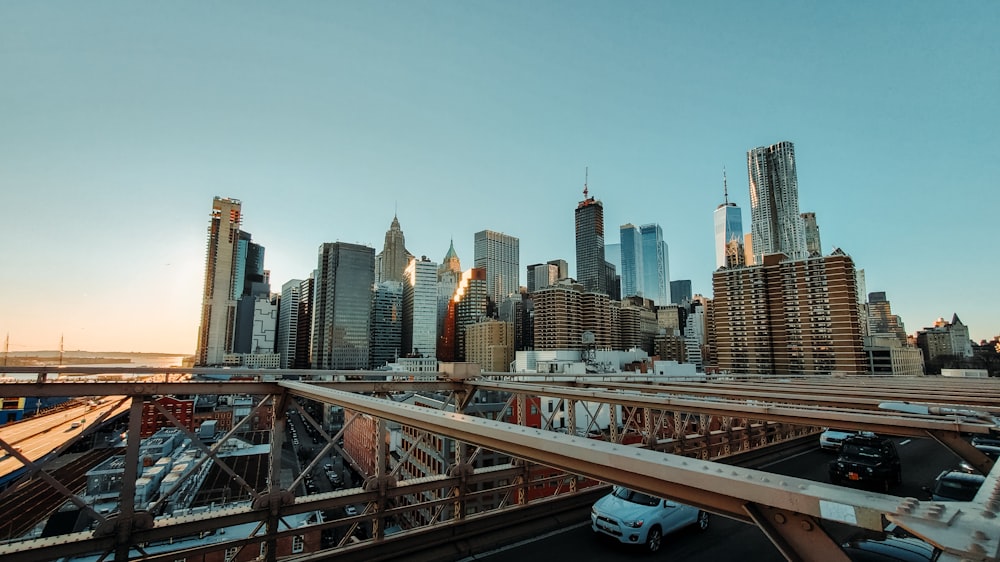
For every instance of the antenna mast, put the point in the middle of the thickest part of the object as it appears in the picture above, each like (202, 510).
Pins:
(586, 176)
(725, 187)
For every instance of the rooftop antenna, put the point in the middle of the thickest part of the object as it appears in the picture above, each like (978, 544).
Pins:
(586, 176)
(725, 187)
(61, 336)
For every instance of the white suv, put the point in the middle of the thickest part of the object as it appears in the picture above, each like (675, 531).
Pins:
(636, 518)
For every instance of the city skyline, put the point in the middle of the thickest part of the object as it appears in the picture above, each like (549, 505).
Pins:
(123, 121)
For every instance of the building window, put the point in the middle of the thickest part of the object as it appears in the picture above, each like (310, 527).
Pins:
(231, 553)
(298, 544)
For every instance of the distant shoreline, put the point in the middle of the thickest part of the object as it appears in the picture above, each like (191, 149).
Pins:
(48, 358)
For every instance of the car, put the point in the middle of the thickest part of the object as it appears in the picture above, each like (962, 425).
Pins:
(867, 460)
(350, 511)
(955, 485)
(633, 517)
(831, 439)
(984, 446)
(890, 549)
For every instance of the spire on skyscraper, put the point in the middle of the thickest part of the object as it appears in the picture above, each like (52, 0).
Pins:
(725, 187)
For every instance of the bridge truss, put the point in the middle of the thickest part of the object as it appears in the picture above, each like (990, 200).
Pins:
(672, 439)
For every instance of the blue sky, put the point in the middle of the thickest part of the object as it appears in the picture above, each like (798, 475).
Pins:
(119, 121)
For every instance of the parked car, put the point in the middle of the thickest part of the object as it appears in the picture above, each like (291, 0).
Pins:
(831, 439)
(955, 485)
(633, 517)
(867, 460)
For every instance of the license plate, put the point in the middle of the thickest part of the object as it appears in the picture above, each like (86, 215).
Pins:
(853, 476)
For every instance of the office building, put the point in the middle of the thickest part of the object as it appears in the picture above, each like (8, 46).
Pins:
(950, 339)
(776, 225)
(218, 305)
(490, 344)
(392, 260)
(788, 317)
(888, 356)
(293, 355)
(499, 254)
(881, 320)
(630, 259)
(680, 291)
(420, 308)
(469, 304)
(728, 220)
(344, 279)
(519, 310)
(387, 323)
(655, 264)
(591, 267)
(541, 275)
(811, 231)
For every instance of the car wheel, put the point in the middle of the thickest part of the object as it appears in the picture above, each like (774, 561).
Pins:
(653, 540)
(702, 520)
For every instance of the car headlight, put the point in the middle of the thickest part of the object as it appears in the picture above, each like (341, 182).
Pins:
(634, 524)
(593, 511)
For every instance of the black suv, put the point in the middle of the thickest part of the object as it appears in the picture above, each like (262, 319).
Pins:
(867, 460)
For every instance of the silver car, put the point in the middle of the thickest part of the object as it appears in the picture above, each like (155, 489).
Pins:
(633, 517)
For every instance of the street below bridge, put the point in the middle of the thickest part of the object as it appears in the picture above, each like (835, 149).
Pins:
(728, 539)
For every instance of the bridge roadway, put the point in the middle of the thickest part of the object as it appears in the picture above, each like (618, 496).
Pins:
(787, 509)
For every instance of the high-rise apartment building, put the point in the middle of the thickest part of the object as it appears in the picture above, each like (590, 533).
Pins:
(728, 226)
(420, 308)
(631, 260)
(788, 317)
(811, 232)
(558, 316)
(499, 254)
(392, 260)
(345, 276)
(591, 267)
(387, 323)
(775, 221)
(655, 264)
(218, 304)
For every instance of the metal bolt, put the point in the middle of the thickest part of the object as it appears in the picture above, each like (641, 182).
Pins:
(779, 518)
(980, 536)
(806, 525)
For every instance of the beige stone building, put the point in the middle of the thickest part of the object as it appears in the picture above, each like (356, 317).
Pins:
(490, 343)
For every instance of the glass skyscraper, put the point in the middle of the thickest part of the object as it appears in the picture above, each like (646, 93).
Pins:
(776, 224)
(345, 276)
(655, 269)
(728, 226)
(630, 252)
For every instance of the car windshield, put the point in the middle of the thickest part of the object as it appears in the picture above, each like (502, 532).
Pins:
(855, 450)
(636, 497)
(957, 489)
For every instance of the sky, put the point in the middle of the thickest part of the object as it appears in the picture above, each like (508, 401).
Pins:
(120, 121)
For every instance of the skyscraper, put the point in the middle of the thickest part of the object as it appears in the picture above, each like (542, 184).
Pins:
(631, 261)
(387, 323)
(728, 225)
(811, 232)
(499, 254)
(345, 275)
(288, 322)
(420, 308)
(776, 224)
(218, 304)
(394, 257)
(655, 264)
(680, 291)
(591, 268)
